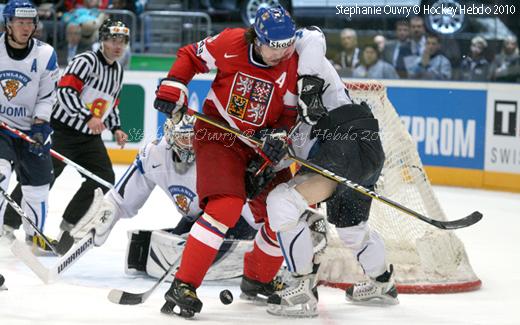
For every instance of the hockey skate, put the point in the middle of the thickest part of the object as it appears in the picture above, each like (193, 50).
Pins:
(257, 291)
(181, 300)
(7, 236)
(300, 299)
(39, 246)
(378, 291)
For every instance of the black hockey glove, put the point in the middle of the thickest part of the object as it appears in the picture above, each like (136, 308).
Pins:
(41, 134)
(310, 103)
(274, 144)
(255, 184)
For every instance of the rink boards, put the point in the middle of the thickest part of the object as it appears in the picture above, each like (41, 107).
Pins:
(467, 134)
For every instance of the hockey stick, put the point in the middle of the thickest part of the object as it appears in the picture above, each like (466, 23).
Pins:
(121, 297)
(66, 240)
(60, 157)
(447, 225)
(48, 275)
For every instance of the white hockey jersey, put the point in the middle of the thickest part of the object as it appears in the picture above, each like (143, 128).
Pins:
(154, 166)
(28, 85)
(311, 47)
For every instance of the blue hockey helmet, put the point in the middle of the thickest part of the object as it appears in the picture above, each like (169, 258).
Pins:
(20, 9)
(274, 27)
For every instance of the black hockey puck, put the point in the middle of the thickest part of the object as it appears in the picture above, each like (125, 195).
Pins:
(226, 297)
(2, 280)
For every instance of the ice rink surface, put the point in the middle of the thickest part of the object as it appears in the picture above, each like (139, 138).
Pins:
(80, 296)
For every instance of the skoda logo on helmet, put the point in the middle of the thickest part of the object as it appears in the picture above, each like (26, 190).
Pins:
(281, 44)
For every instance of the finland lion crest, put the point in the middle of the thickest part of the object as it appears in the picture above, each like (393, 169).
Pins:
(12, 82)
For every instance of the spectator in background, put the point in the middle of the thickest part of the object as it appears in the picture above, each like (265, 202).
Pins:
(349, 57)
(74, 4)
(397, 50)
(503, 67)
(373, 67)
(432, 64)
(2, 6)
(417, 35)
(83, 22)
(46, 10)
(124, 5)
(475, 67)
(380, 41)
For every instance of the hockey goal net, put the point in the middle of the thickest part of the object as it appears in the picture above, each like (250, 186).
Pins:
(425, 259)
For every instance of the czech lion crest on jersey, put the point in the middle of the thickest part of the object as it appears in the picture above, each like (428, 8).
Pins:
(249, 99)
(12, 82)
(182, 196)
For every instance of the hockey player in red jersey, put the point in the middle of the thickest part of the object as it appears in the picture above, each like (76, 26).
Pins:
(255, 91)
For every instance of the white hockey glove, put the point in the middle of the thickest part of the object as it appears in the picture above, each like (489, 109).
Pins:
(318, 227)
(100, 218)
(310, 103)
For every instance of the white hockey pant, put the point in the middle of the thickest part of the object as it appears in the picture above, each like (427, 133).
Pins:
(284, 208)
(367, 246)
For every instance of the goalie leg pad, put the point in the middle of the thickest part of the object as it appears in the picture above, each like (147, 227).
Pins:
(367, 246)
(137, 251)
(163, 248)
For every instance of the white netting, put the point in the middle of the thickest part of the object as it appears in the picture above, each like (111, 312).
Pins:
(426, 259)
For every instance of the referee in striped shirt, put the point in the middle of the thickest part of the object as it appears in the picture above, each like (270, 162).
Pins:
(87, 105)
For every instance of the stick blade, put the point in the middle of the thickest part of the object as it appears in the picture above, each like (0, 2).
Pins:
(460, 223)
(124, 298)
(65, 243)
(21, 251)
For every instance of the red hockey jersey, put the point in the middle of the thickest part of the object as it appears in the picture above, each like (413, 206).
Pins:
(247, 94)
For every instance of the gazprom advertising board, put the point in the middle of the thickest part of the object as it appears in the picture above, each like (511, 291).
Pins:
(467, 134)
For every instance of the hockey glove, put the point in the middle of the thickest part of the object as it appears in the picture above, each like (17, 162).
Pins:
(274, 144)
(318, 227)
(100, 218)
(41, 134)
(255, 184)
(171, 97)
(310, 103)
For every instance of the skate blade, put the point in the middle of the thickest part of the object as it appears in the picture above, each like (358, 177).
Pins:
(306, 311)
(170, 308)
(38, 251)
(379, 301)
(257, 300)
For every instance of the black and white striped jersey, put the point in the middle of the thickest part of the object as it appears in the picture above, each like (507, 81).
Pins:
(89, 88)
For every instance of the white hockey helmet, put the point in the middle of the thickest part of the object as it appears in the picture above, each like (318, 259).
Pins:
(179, 137)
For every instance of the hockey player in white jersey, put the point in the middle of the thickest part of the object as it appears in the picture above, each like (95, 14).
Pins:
(169, 164)
(28, 76)
(325, 107)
